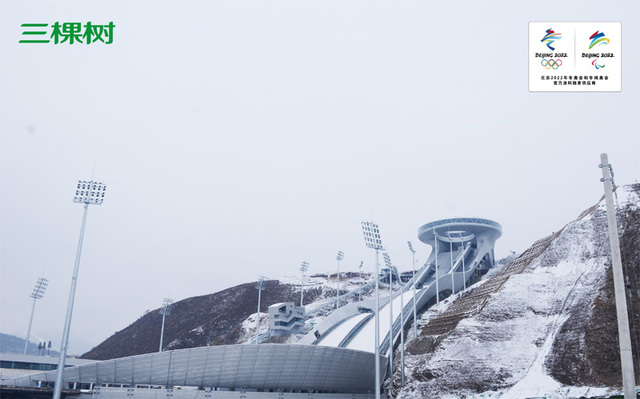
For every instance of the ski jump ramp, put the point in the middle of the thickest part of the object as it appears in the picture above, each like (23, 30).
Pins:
(462, 250)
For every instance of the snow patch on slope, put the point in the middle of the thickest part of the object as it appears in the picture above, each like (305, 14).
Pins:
(249, 328)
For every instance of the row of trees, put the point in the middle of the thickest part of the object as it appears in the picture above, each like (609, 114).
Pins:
(44, 346)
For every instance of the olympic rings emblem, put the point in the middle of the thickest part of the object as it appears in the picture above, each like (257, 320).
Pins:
(548, 64)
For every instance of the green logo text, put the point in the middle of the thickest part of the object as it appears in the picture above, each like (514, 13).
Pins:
(67, 32)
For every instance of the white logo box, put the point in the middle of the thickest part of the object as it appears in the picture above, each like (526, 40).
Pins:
(557, 70)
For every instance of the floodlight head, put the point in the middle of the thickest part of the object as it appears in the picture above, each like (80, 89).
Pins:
(260, 285)
(340, 256)
(40, 288)
(387, 259)
(411, 247)
(372, 235)
(304, 266)
(90, 192)
(166, 306)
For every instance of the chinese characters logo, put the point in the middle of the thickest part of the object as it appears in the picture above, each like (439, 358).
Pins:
(68, 32)
(551, 37)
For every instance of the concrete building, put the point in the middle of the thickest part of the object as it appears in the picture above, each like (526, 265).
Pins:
(285, 319)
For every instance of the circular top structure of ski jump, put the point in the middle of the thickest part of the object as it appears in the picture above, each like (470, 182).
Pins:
(459, 230)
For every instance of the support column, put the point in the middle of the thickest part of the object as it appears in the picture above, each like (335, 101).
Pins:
(626, 356)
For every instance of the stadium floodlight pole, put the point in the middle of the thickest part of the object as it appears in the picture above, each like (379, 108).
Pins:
(303, 268)
(401, 334)
(259, 287)
(435, 235)
(626, 356)
(373, 240)
(38, 293)
(87, 193)
(360, 291)
(464, 276)
(413, 265)
(164, 311)
(387, 262)
(339, 257)
(453, 281)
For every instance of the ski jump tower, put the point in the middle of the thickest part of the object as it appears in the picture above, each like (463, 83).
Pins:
(462, 252)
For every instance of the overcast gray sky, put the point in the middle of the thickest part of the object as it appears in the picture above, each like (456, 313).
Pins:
(240, 138)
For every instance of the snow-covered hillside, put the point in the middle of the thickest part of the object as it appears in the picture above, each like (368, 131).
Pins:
(228, 316)
(353, 287)
(536, 330)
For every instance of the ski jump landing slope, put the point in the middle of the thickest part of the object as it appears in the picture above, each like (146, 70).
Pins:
(462, 250)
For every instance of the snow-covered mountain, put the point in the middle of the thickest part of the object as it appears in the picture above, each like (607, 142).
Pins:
(545, 327)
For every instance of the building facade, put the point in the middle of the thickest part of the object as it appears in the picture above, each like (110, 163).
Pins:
(285, 319)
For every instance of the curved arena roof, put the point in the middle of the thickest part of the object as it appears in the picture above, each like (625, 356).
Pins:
(262, 367)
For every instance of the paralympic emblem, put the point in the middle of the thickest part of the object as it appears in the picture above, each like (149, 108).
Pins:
(550, 37)
(551, 64)
(595, 64)
(598, 39)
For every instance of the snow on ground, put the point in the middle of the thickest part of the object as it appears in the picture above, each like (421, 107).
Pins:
(327, 301)
(328, 284)
(328, 280)
(564, 392)
(309, 282)
(336, 336)
(249, 328)
(364, 339)
(198, 330)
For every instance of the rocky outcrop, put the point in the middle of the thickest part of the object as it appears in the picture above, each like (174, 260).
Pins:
(586, 351)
